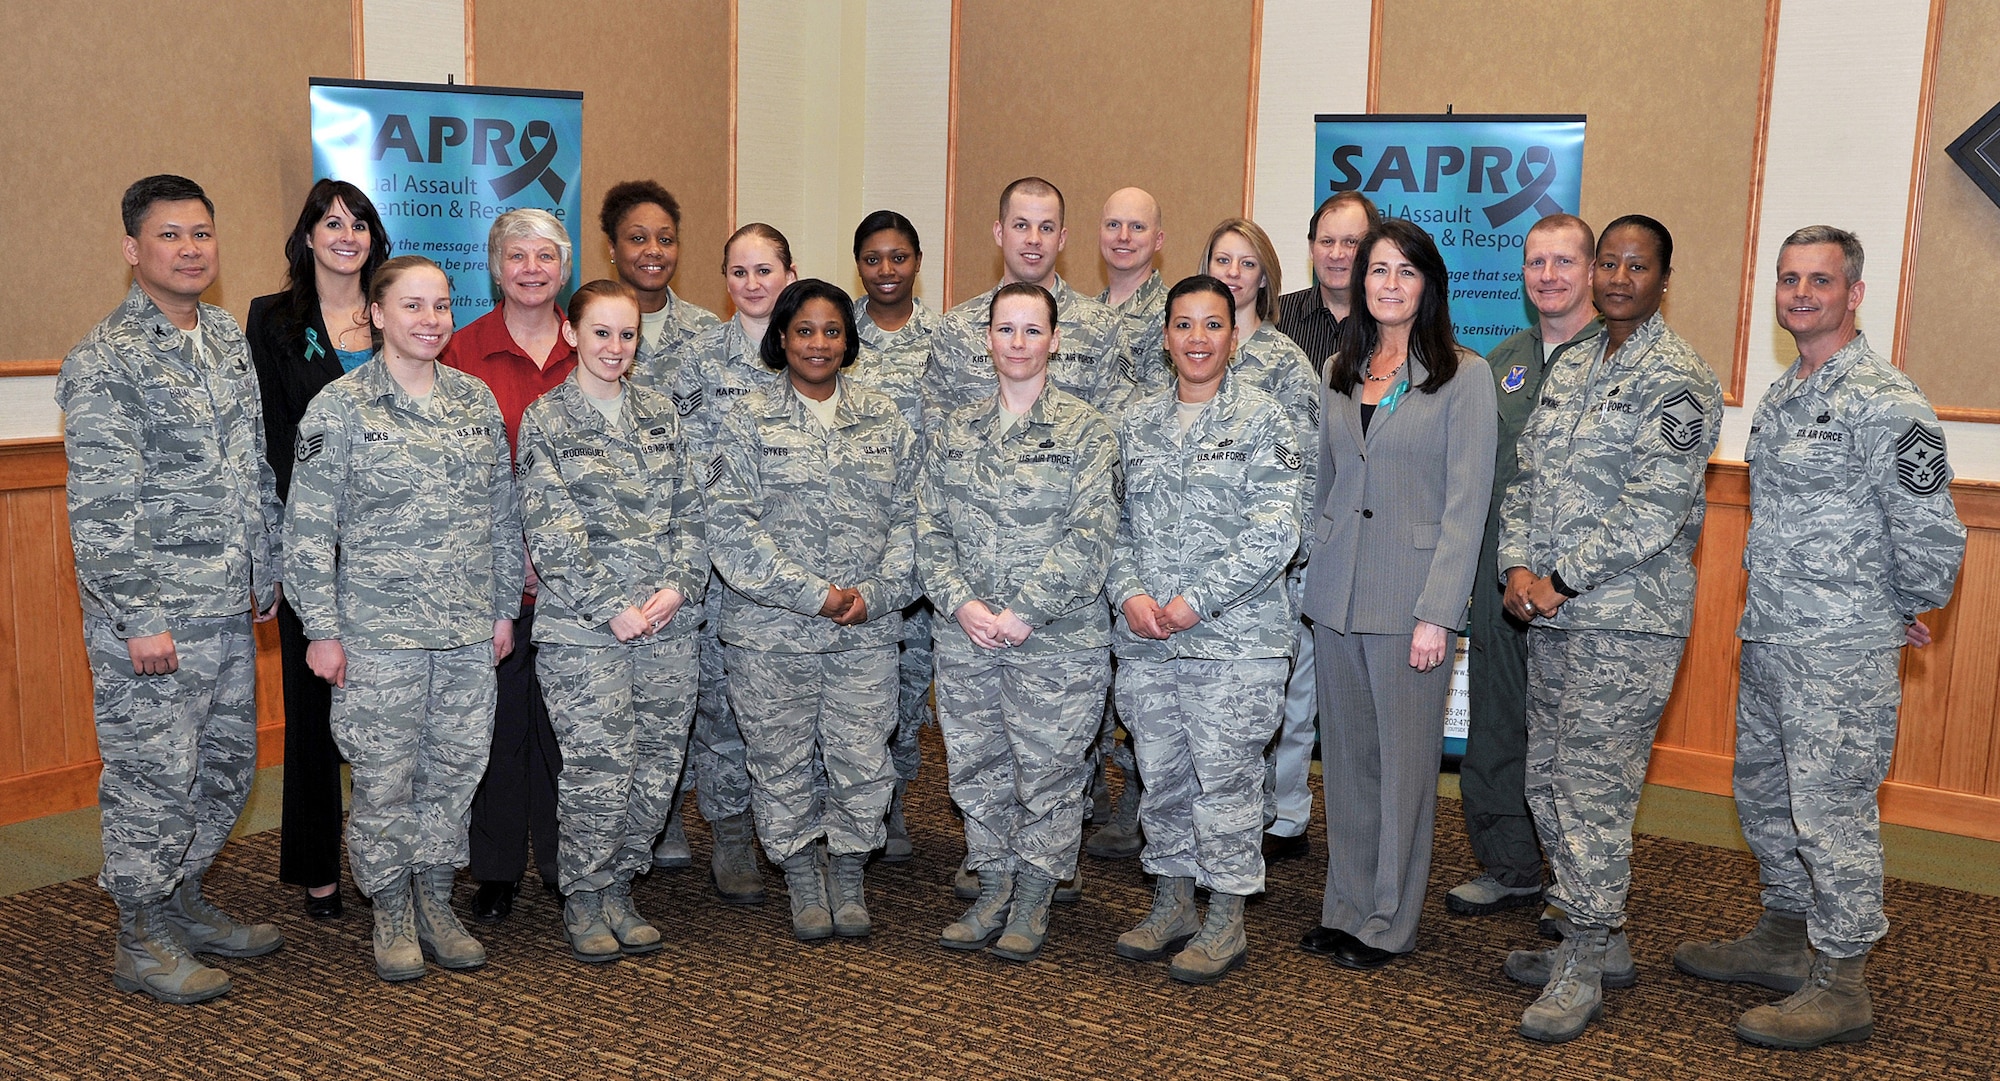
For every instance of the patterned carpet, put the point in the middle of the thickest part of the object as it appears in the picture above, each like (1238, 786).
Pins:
(732, 996)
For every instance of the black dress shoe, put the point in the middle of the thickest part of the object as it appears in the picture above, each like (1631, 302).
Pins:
(323, 908)
(1324, 941)
(1359, 955)
(494, 901)
(1278, 848)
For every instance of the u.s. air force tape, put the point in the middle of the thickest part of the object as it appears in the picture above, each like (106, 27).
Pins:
(1682, 421)
(1920, 460)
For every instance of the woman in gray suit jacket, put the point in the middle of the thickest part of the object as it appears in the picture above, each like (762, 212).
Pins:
(1406, 470)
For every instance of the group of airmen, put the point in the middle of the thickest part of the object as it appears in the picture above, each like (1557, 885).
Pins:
(755, 545)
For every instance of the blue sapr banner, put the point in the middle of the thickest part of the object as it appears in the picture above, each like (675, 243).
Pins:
(441, 162)
(1475, 182)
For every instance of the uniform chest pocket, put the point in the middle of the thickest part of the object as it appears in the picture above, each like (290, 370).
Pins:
(1044, 483)
(1821, 453)
(791, 464)
(873, 465)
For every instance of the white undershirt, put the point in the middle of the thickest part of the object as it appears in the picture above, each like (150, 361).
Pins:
(1185, 414)
(608, 408)
(1008, 420)
(653, 325)
(822, 411)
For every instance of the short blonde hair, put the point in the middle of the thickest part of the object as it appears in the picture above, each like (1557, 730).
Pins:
(1267, 257)
(527, 223)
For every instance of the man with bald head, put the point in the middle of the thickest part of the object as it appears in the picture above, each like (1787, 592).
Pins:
(1129, 236)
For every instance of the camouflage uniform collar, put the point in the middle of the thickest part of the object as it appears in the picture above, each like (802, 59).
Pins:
(569, 394)
(377, 384)
(788, 402)
(1057, 287)
(1847, 356)
(921, 320)
(1042, 412)
(139, 307)
(1643, 339)
(1590, 330)
(1153, 287)
(1225, 398)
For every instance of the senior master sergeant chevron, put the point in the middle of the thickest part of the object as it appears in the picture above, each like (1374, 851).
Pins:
(174, 519)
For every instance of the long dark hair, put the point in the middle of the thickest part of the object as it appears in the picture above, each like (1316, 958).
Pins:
(772, 349)
(301, 291)
(1431, 340)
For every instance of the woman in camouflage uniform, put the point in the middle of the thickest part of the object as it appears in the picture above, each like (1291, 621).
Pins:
(811, 501)
(1016, 517)
(610, 497)
(1213, 484)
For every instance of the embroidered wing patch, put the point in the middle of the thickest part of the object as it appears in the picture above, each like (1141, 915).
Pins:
(1682, 421)
(1920, 461)
(1517, 377)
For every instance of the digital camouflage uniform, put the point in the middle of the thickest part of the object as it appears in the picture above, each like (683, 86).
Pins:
(893, 363)
(403, 541)
(1852, 534)
(794, 509)
(1610, 498)
(720, 368)
(1493, 774)
(1145, 316)
(174, 520)
(613, 515)
(659, 366)
(1213, 516)
(1090, 362)
(1024, 521)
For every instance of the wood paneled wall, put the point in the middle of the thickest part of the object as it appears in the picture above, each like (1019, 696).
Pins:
(1946, 775)
(48, 744)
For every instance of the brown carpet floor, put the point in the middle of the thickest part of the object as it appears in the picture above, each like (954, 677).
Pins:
(732, 996)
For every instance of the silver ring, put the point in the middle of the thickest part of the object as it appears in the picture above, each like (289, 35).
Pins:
(1529, 605)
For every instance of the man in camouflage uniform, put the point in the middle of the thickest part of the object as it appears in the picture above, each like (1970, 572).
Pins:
(612, 509)
(1555, 275)
(1597, 549)
(1211, 517)
(1092, 363)
(722, 367)
(1129, 237)
(174, 519)
(1852, 536)
(403, 547)
(893, 362)
(1019, 518)
(797, 510)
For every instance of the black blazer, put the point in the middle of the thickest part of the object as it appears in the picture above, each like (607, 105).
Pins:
(290, 371)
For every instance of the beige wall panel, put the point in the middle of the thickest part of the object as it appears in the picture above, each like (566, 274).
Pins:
(1671, 91)
(655, 104)
(102, 92)
(1954, 319)
(1094, 99)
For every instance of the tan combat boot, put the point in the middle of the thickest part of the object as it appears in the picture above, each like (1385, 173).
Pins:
(983, 922)
(812, 917)
(850, 903)
(1167, 927)
(207, 929)
(1028, 923)
(1832, 1007)
(1532, 967)
(898, 847)
(733, 862)
(633, 933)
(439, 934)
(1574, 996)
(1774, 954)
(1220, 947)
(150, 959)
(397, 955)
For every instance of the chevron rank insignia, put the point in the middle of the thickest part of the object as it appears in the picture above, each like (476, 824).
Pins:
(309, 446)
(1920, 461)
(1288, 457)
(1682, 422)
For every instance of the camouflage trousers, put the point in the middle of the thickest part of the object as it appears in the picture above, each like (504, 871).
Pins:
(715, 745)
(1017, 736)
(415, 725)
(913, 689)
(1815, 729)
(1199, 728)
(179, 751)
(1594, 702)
(816, 729)
(621, 715)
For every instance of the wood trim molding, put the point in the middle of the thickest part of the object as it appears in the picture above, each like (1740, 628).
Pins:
(1747, 302)
(360, 40)
(470, 36)
(1967, 413)
(951, 158)
(32, 463)
(1375, 55)
(10, 368)
(735, 111)
(1250, 124)
(1913, 216)
(73, 787)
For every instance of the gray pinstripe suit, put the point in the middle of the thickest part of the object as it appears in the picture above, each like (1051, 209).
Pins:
(1396, 530)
